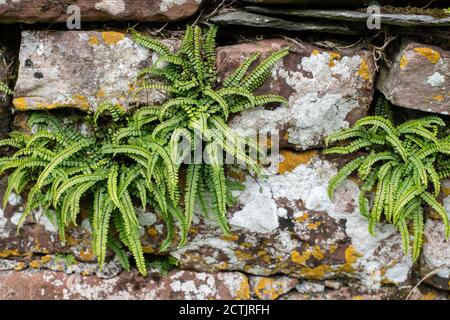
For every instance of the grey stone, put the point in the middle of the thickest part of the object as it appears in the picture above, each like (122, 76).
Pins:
(418, 77)
(243, 18)
(404, 20)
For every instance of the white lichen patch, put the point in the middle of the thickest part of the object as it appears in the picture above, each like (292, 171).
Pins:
(436, 79)
(194, 291)
(319, 105)
(436, 250)
(44, 221)
(259, 213)
(372, 258)
(109, 62)
(113, 7)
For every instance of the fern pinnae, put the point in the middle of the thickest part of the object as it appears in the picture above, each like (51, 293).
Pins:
(66, 153)
(191, 191)
(151, 44)
(418, 225)
(261, 72)
(235, 78)
(433, 203)
(116, 247)
(346, 171)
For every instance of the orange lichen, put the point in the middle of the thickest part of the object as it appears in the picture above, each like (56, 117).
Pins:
(81, 101)
(100, 93)
(243, 255)
(294, 159)
(300, 258)
(266, 289)
(351, 255)
(19, 266)
(438, 98)
(112, 37)
(86, 255)
(244, 290)
(334, 56)
(38, 263)
(364, 71)
(404, 61)
(93, 40)
(432, 55)
(446, 190)
(9, 253)
(20, 103)
(315, 52)
(314, 225)
(148, 249)
(152, 232)
(231, 237)
(302, 218)
(264, 256)
(429, 296)
(318, 253)
(316, 273)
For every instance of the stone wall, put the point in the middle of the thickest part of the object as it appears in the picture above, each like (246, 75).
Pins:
(288, 240)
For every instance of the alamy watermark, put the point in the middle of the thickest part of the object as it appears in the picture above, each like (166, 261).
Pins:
(73, 21)
(374, 20)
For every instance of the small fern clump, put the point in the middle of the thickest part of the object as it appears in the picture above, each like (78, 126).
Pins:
(196, 111)
(129, 160)
(403, 165)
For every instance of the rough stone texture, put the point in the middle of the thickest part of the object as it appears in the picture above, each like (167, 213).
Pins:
(436, 250)
(404, 20)
(32, 11)
(79, 69)
(326, 90)
(348, 293)
(4, 99)
(418, 78)
(271, 288)
(243, 18)
(39, 234)
(287, 225)
(353, 3)
(283, 225)
(177, 285)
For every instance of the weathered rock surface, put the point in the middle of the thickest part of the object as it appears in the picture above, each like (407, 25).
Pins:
(177, 285)
(418, 77)
(79, 69)
(436, 251)
(404, 20)
(4, 99)
(243, 18)
(353, 3)
(271, 288)
(32, 11)
(39, 234)
(327, 91)
(287, 225)
(283, 225)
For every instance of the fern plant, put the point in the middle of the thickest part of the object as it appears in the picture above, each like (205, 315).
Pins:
(126, 160)
(197, 111)
(402, 164)
(5, 89)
